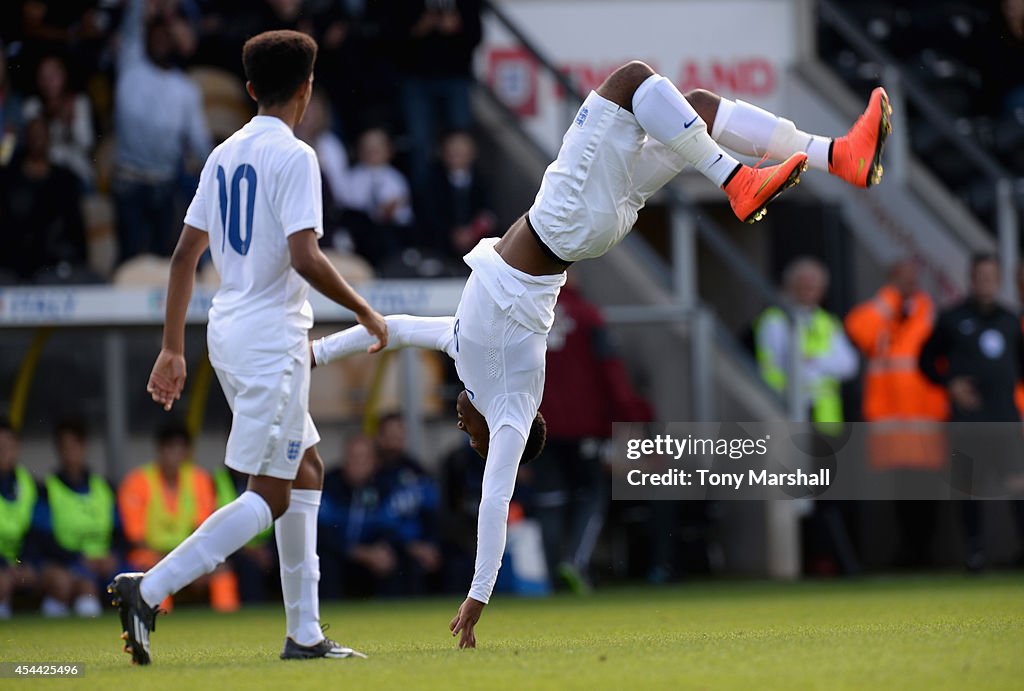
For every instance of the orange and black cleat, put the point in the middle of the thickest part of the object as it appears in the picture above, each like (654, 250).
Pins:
(751, 189)
(857, 156)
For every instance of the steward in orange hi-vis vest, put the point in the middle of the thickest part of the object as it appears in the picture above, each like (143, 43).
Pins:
(905, 409)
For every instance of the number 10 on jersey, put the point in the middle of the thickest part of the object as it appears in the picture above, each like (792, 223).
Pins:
(229, 212)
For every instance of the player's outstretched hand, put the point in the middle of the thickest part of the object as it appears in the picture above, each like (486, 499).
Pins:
(372, 320)
(167, 378)
(465, 620)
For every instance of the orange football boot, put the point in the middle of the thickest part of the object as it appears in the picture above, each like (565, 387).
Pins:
(751, 189)
(857, 157)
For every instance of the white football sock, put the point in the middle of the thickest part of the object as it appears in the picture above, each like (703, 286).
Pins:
(749, 130)
(403, 332)
(222, 534)
(667, 116)
(295, 531)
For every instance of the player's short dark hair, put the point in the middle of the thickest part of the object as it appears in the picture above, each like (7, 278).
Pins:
(535, 442)
(983, 258)
(277, 63)
(172, 432)
(75, 426)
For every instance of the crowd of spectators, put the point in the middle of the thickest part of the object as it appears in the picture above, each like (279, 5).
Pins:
(133, 94)
(922, 369)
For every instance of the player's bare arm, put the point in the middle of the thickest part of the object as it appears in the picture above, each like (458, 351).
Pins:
(309, 261)
(168, 376)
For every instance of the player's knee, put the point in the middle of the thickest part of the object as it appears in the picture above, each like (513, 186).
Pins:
(705, 103)
(311, 472)
(276, 493)
(621, 84)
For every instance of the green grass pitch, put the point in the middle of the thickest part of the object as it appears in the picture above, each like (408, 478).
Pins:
(916, 633)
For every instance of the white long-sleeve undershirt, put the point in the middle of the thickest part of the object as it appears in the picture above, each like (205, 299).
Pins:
(505, 449)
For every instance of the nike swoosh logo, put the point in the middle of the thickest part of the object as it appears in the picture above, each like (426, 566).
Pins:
(717, 159)
(686, 125)
(860, 167)
(766, 181)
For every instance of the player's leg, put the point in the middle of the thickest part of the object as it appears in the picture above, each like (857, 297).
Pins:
(295, 531)
(404, 331)
(665, 115)
(747, 129)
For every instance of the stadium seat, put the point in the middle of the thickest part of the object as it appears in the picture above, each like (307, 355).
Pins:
(225, 102)
(143, 271)
(100, 235)
(354, 268)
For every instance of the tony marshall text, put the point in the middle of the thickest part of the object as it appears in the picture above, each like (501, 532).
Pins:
(714, 478)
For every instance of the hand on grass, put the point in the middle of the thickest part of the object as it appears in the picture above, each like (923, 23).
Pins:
(465, 621)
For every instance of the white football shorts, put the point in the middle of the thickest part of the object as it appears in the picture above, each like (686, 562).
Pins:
(270, 425)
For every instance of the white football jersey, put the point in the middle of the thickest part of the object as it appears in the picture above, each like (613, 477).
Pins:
(257, 188)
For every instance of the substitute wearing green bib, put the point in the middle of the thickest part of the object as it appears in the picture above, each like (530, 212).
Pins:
(16, 515)
(82, 522)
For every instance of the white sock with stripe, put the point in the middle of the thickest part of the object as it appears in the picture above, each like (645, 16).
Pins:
(752, 131)
(295, 531)
(220, 536)
(667, 116)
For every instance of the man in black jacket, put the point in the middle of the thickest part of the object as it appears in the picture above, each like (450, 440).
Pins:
(976, 352)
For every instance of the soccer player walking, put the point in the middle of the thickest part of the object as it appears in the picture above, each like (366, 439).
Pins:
(258, 209)
(628, 139)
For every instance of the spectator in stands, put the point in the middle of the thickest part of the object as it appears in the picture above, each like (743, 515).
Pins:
(78, 30)
(357, 551)
(159, 121)
(411, 500)
(905, 409)
(976, 352)
(10, 112)
(76, 512)
(434, 44)
(826, 360)
(587, 388)
(462, 474)
(316, 130)
(255, 563)
(162, 503)
(378, 210)
(68, 115)
(41, 227)
(17, 504)
(458, 202)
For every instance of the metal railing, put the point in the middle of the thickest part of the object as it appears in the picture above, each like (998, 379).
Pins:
(902, 87)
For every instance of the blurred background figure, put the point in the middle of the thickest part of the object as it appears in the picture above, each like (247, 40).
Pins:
(357, 552)
(826, 360)
(585, 390)
(256, 563)
(316, 129)
(826, 356)
(411, 504)
(68, 114)
(906, 410)
(159, 124)
(976, 352)
(10, 111)
(162, 503)
(434, 42)
(457, 200)
(17, 504)
(76, 521)
(375, 195)
(42, 239)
